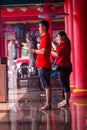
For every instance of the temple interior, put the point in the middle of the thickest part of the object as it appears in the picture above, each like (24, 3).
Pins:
(21, 96)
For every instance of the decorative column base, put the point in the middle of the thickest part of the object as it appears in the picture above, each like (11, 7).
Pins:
(81, 93)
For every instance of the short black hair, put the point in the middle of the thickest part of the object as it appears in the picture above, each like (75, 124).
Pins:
(45, 23)
(62, 33)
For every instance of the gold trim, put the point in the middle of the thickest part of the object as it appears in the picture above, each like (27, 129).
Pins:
(32, 21)
(80, 104)
(72, 86)
(80, 90)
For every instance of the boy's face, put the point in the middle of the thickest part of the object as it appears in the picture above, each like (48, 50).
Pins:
(41, 28)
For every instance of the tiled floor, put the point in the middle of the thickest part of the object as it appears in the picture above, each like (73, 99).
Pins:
(22, 112)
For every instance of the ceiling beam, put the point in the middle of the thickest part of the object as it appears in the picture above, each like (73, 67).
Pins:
(26, 2)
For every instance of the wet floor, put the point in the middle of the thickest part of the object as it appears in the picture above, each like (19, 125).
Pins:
(21, 112)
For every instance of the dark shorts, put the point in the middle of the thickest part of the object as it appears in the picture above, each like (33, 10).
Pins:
(44, 74)
(64, 76)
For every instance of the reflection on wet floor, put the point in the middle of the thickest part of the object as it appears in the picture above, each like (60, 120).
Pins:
(22, 112)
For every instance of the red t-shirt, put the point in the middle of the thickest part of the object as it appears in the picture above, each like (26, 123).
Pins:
(64, 51)
(43, 60)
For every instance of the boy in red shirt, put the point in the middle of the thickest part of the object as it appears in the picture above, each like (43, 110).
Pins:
(43, 62)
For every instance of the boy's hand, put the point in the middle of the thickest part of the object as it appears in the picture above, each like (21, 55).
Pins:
(32, 51)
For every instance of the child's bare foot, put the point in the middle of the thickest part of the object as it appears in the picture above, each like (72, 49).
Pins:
(63, 104)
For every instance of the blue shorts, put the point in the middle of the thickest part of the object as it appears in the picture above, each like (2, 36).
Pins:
(44, 74)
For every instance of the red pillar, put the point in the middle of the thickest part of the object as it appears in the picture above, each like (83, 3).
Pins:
(2, 41)
(66, 18)
(0, 33)
(68, 8)
(2, 44)
(80, 46)
(6, 48)
(71, 37)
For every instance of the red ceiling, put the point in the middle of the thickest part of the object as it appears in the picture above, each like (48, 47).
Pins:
(32, 13)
